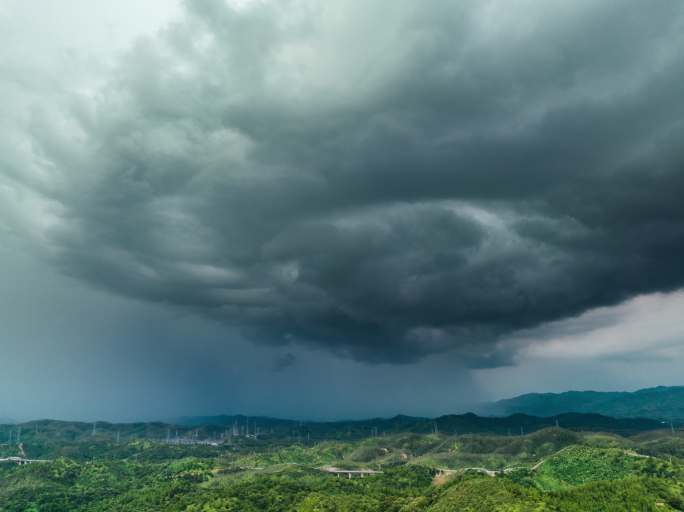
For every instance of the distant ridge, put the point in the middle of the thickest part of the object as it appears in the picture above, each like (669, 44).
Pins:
(469, 423)
(661, 402)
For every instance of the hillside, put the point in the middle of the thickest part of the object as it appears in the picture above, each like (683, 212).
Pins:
(662, 402)
(553, 469)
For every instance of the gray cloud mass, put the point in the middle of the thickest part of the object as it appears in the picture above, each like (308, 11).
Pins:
(384, 180)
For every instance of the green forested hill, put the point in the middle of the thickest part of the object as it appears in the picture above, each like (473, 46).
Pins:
(552, 469)
(665, 403)
(85, 441)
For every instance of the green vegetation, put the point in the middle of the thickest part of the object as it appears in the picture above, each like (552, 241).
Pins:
(579, 465)
(148, 469)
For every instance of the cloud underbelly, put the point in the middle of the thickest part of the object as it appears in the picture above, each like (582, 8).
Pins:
(447, 186)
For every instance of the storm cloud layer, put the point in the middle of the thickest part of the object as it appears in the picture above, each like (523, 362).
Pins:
(384, 180)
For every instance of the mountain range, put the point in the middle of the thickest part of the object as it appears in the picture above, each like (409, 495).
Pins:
(577, 410)
(661, 402)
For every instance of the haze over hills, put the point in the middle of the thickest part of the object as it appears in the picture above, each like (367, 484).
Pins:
(612, 411)
(661, 402)
(450, 424)
(577, 409)
(54, 438)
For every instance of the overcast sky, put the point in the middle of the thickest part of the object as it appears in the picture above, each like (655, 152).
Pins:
(336, 209)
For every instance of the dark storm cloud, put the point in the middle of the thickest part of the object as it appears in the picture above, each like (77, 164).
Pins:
(284, 361)
(385, 180)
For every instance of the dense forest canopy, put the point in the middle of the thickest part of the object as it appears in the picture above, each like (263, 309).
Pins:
(50, 466)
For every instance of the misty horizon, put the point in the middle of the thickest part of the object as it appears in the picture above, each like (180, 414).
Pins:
(479, 408)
